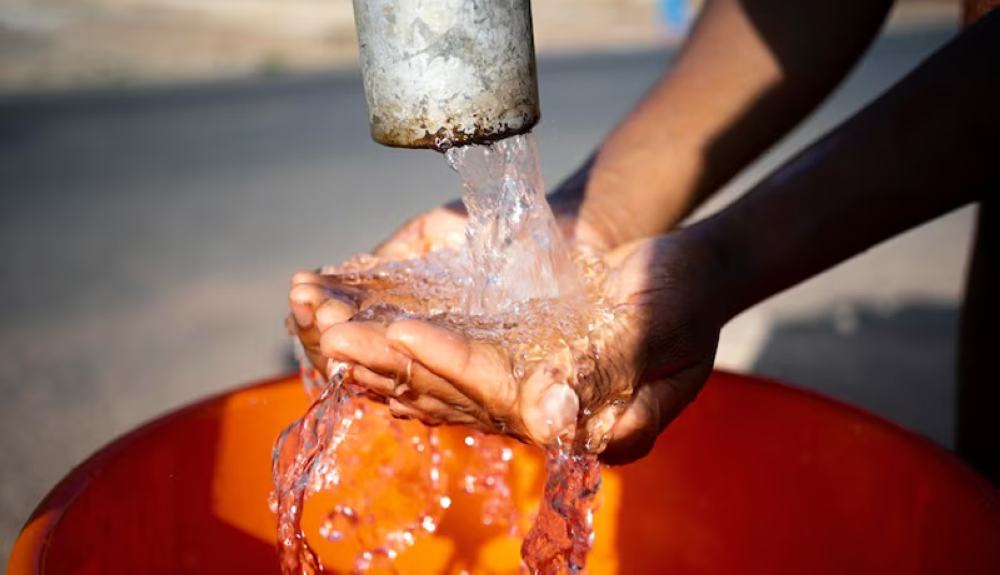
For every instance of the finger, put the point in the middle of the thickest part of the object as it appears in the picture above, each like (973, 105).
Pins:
(549, 407)
(373, 381)
(403, 410)
(654, 405)
(600, 425)
(304, 299)
(474, 369)
(635, 433)
(318, 306)
(419, 381)
(372, 396)
(363, 343)
(439, 228)
(333, 281)
(400, 410)
(416, 383)
(404, 244)
(305, 277)
(335, 309)
(385, 370)
(328, 280)
(445, 227)
(435, 410)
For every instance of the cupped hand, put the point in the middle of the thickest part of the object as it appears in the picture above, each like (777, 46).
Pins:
(318, 300)
(661, 347)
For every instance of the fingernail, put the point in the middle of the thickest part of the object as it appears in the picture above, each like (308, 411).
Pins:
(303, 315)
(556, 414)
(559, 408)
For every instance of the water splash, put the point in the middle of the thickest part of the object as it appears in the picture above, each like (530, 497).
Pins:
(563, 531)
(515, 249)
(516, 285)
(297, 452)
(388, 477)
(487, 474)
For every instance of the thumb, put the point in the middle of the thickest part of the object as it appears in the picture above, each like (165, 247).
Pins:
(549, 407)
(635, 433)
(654, 405)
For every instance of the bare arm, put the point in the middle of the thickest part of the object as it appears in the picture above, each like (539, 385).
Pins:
(928, 146)
(750, 71)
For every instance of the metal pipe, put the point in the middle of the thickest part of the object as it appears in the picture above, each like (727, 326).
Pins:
(444, 73)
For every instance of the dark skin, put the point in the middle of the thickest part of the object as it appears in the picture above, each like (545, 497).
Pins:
(916, 153)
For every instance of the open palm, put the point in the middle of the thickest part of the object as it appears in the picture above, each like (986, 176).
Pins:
(657, 354)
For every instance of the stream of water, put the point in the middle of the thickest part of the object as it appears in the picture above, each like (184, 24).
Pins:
(517, 285)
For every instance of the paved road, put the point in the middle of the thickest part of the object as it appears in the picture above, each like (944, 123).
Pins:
(146, 240)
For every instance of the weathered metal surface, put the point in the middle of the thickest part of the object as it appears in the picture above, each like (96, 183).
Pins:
(443, 73)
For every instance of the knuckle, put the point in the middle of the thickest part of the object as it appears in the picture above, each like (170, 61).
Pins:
(303, 277)
(299, 293)
(329, 315)
(335, 341)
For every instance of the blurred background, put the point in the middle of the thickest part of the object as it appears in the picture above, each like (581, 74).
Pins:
(166, 165)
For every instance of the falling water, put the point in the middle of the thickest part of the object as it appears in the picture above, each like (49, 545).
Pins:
(517, 285)
(515, 250)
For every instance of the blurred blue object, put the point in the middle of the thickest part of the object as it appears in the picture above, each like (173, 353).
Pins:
(677, 15)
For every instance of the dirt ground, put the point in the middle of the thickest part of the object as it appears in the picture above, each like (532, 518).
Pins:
(64, 44)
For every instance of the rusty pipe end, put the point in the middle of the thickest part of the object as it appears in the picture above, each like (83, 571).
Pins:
(445, 73)
(450, 135)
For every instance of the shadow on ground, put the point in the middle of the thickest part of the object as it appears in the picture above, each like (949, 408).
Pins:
(896, 361)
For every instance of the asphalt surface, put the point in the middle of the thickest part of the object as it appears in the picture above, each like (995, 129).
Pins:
(146, 240)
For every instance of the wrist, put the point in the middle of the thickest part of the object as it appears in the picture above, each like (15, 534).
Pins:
(585, 214)
(623, 195)
(714, 271)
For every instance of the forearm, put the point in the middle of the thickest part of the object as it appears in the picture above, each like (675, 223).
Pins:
(750, 71)
(926, 147)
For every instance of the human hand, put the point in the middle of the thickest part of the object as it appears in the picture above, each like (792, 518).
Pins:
(318, 300)
(661, 347)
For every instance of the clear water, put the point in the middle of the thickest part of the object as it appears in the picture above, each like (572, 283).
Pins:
(517, 285)
(515, 250)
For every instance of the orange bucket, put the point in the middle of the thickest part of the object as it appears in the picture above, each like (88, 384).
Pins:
(754, 477)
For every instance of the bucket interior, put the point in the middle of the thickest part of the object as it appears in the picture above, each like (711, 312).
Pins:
(754, 477)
